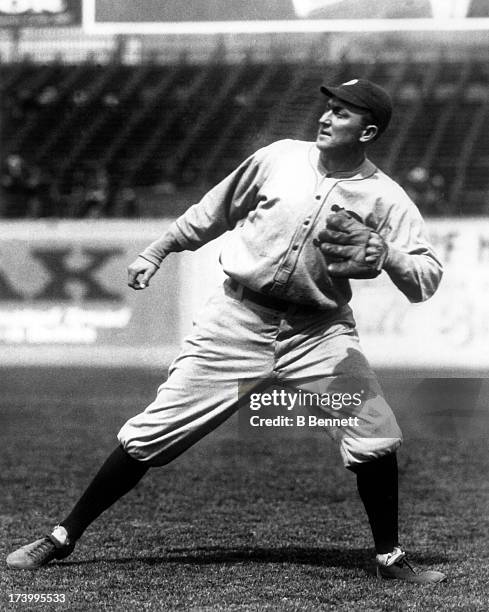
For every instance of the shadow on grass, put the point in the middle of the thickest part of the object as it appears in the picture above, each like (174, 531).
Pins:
(332, 557)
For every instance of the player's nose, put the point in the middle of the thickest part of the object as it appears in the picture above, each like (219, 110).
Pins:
(325, 117)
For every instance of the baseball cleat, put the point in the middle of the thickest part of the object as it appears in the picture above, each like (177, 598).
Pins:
(394, 566)
(39, 553)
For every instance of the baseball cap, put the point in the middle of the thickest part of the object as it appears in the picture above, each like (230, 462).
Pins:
(365, 95)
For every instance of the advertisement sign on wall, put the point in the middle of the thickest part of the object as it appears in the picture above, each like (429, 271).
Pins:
(449, 330)
(40, 13)
(63, 286)
(196, 16)
(257, 10)
(64, 296)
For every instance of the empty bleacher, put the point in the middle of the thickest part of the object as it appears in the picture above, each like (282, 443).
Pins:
(187, 125)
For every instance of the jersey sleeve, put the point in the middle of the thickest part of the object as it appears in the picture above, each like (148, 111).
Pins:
(218, 211)
(412, 263)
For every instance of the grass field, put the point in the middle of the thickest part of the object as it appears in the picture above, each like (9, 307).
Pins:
(270, 523)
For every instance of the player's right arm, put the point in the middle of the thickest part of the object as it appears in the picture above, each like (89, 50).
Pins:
(219, 211)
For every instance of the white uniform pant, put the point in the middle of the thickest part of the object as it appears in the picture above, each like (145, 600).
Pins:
(235, 341)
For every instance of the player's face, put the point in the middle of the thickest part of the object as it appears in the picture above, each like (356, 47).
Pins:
(340, 127)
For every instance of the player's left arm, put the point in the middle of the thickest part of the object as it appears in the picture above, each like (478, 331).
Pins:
(411, 262)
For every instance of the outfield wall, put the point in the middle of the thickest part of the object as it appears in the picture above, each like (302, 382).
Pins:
(64, 299)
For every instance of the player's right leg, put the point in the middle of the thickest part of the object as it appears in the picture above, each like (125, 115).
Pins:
(118, 475)
(230, 344)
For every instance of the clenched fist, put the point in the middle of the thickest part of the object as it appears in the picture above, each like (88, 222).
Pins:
(140, 272)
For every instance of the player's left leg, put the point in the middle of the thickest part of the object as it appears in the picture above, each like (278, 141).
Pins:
(325, 357)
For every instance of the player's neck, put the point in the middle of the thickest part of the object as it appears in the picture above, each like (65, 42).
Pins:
(339, 161)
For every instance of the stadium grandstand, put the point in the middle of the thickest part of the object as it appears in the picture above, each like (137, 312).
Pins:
(125, 125)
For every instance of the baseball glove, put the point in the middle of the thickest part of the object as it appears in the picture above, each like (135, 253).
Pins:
(352, 249)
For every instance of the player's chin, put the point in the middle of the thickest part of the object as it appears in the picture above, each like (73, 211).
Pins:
(323, 141)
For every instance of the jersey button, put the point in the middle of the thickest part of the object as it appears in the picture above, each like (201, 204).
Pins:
(318, 197)
(295, 247)
(306, 222)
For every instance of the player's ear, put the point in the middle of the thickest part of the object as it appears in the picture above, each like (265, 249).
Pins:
(369, 133)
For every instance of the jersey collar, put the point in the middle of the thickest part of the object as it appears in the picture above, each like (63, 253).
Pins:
(364, 170)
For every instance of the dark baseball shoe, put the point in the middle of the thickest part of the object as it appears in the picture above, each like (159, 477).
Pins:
(39, 553)
(394, 566)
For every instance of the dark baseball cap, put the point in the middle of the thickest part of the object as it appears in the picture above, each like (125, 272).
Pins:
(364, 95)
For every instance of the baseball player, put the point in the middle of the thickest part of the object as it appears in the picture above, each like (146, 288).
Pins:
(304, 218)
